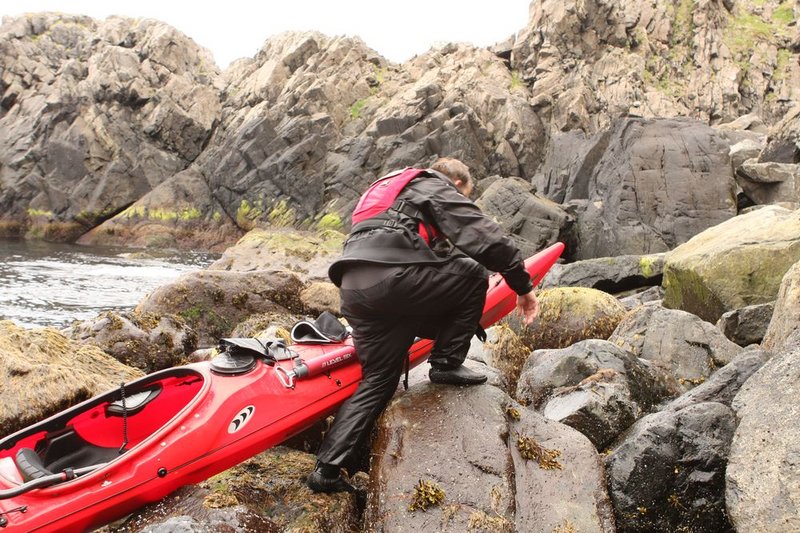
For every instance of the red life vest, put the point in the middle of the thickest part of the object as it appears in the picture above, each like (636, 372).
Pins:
(381, 197)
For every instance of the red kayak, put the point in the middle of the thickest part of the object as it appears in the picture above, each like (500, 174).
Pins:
(106, 457)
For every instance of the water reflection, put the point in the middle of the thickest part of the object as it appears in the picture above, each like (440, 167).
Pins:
(45, 284)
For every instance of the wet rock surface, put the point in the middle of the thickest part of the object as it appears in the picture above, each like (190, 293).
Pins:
(668, 471)
(608, 274)
(559, 478)
(592, 386)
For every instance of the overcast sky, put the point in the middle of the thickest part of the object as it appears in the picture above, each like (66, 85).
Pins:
(232, 29)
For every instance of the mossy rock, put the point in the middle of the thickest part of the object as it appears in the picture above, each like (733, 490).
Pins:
(43, 372)
(571, 314)
(307, 254)
(737, 263)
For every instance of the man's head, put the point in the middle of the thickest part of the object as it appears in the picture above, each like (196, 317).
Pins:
(456, 171)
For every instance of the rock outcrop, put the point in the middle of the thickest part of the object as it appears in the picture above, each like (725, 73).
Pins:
(93, 115)
(146, 342)
(130, 119)
(643, 186)
(608, 274)
(784, 328)
(515, 475)
(534, 222)
(590, 62)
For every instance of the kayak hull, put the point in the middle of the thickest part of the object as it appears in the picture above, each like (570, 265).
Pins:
(191, 424)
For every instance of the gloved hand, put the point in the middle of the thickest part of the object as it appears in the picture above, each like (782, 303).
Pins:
(528, 306)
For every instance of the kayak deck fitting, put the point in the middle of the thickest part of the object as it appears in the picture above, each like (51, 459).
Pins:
(109, 455)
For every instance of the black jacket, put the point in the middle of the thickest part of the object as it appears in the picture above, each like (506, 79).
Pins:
(455, 217)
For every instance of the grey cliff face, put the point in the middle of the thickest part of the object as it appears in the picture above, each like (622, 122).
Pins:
(95, 115)
(129, 122)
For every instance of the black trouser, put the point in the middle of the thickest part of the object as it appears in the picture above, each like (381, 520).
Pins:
(443, 302)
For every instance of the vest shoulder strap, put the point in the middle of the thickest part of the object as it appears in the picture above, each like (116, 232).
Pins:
(382, 193)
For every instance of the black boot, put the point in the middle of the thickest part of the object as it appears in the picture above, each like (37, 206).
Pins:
(459, 375)
(328, 478)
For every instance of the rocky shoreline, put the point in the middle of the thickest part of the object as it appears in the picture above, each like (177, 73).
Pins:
(661, 143)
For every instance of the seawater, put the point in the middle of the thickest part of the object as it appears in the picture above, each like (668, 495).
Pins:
(46, 284)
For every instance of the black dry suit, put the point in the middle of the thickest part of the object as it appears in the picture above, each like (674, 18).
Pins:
(397, 285)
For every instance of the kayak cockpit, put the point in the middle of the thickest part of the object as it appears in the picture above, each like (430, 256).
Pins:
(100, 430)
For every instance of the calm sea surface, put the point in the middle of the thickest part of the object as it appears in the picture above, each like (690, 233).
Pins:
(45, 284)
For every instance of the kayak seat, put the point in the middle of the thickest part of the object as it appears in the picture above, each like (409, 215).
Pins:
(30, 465)
(66, 449)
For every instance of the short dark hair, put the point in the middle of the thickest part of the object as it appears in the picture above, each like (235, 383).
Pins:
(453, 169)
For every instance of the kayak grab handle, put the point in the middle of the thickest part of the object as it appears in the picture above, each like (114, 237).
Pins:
(47, 481)
(286, 377)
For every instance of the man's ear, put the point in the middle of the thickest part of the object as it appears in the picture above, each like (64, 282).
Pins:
(458, 183)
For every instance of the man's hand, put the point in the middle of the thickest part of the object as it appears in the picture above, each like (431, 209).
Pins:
(528, 306)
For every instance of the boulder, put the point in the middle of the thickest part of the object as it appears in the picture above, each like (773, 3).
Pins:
(725, 383)
(747, 325)
(648, 186)
(468, 482)
(608, 274)
(505, 351)
(532, 220)
(306, 254)
(668, 471)
(147, 342)
(632, 301)
(94, 115)
(744, 150)
(559, 478)
(784, 328)
(43, 372)
(738, 263)
(212, 302)
(267, 326)
(569, 315)
(467, 428)
(265, 493)
(769, 183)
(685, 347)
(763, 477)
(592, 386)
